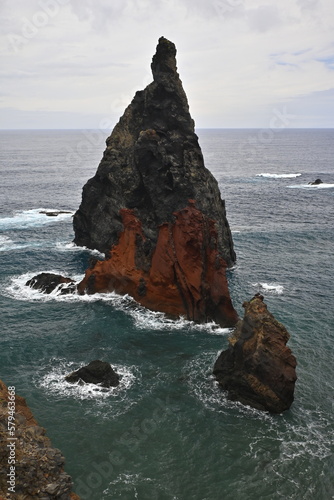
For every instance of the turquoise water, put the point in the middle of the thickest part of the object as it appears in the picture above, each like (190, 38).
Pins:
(168, 432)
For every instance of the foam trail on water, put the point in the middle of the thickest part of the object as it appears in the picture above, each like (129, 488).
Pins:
(324, 185)
(278, 176)
(54, 381)
(65, 246)
(8, 245)
(27, 219)
(269, 287)
(18, 290)
(142, 317)
(204, 387)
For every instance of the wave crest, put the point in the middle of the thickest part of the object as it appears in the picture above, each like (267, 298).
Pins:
(54, 382)
(26, 219)
(143, 318)
(269, 288)
(278, 176)
(324, 185)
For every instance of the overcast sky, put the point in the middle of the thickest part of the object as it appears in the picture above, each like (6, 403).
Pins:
(243, 63)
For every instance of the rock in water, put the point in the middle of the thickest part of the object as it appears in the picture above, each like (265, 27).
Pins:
(48, 282)
(96, 372)
(316, 182)
(54, 213)
(155, 210)
(258, 369)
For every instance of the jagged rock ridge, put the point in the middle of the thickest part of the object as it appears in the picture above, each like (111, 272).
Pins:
(151, 168)
(258, 369)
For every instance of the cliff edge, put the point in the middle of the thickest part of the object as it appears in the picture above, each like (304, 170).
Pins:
(29, 465)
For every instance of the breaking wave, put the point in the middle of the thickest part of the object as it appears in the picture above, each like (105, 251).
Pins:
(54, 382)
(269, 288)
(65, 246)
(278, 176)
(324, 185)
(27, 219)
(7, 244)
(143, 318)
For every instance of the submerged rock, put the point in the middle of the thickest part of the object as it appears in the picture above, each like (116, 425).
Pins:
(156, 211)
(258, 369)
(54, 213)
(96, 372)
(39, 468)
(48, 282)
(316, 182)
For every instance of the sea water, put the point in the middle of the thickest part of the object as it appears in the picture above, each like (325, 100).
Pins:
(168, 431)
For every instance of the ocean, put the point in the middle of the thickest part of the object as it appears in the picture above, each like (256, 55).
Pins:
(168, 432)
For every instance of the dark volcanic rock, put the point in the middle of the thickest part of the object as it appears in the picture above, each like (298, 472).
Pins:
(54, 213)
(153, 164)
(258, 369)
(96, 372)
(316, 182)
(130, 209)
(48, 282)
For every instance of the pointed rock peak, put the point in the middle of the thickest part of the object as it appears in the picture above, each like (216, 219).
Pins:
(164, 59)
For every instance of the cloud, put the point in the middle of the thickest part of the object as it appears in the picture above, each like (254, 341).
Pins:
(264, 18)
(238, 59)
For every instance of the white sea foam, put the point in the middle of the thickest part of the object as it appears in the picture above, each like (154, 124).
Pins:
(269, 287)
(143, 318)
(278, 176)
(54, 382)
(126, 485)
(324, 185)
(18, 290)
(26, 219)
(7, 244)
(203, 385)
(65, 246)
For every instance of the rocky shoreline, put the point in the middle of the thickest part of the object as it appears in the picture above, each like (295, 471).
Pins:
(38, 467)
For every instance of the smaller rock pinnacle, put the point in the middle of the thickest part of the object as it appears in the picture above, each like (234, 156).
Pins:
(164, 59)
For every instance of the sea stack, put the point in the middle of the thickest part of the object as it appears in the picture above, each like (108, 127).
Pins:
(258, 369)
(155, 210)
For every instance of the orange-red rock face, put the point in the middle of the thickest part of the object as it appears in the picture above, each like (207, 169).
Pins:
(187, 275)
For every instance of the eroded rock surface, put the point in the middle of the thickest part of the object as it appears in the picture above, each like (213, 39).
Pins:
(39, 468)
(258, 369)
(187, 274)
(156, 211)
